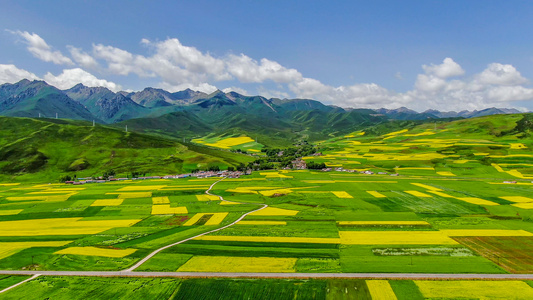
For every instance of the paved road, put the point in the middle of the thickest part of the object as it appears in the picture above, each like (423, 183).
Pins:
(142, 261)
(410, 276)
(17, 284)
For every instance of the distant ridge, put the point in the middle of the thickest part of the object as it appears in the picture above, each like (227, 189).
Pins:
(189, 113)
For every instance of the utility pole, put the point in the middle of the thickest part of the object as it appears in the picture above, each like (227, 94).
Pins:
(39, 115)
(93, 123)
(126, 128)
(56, 115)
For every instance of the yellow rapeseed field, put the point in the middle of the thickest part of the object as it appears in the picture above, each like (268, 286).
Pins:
(477, 201)
(517, 146)
(10, 248)
(238, 264)
(230, 142)
(160, 200)
(485, 232)
(228, 203)
(165, 209)
(272, 192)
(10, 212)
(342, 194)
(137, 188)
(428, 187)
(474, 289)
(382, 223)
(269, 239)
(376, 194)
(273, 211)
(207, 197)
(395, 238)
(517, 199)
(445, 173)
(380, 290)
(528, 205)
(107, 202)
(396, 132)
(262, 223)
(418, 194)
(274, 175)
(215, 219)
(132, 195)
(441, 194)
(60, 226)
(42, 198)
(9, 184)
(94, 251)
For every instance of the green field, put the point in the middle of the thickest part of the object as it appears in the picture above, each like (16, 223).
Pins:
(461, 202)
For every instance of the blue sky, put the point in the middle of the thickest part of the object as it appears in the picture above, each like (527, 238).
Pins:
(448, 55)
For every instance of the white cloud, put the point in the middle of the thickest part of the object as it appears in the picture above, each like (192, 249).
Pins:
(245, 69)
(499, 74)
(82, 58)
(202, 87)
(12, 74)
(70, 77)
(448, 68)
(236, 90)
(40, 49)
(496, 86)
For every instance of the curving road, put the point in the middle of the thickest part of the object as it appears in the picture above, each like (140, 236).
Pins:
(142, 261)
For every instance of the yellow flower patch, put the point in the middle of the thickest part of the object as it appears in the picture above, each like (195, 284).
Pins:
(272, 192)
(477, 201)
(93, 251)
(485, 232)
(225, 202)
(141, 188)
(380, 290)
(165, 209)
(441, 194)
(517, 146)
(41, 198)
(60, 226)
(376, 194)
(206, 197)
(238, 264)
(230, 142)
(160, 200)
(382, 223)
(445, 173)
(528, 205)
(107, 202)
(428, 187)
(342, 194)
(10, 248)
(262, 223)
(395, 238)
(474, 289)
(274, 175)
(396, 132)
(132, 195)
(269, 239)
(273, 211)
(10, 212)
(518, 199)
(9, 184)
(215, 219)
(418, 194)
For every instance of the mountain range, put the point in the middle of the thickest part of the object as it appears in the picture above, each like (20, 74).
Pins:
(189, 113)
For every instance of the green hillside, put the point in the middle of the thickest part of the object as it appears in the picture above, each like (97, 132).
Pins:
(45, 149)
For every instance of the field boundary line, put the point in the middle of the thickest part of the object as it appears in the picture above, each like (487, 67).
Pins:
(142, 261)
(20, 283)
